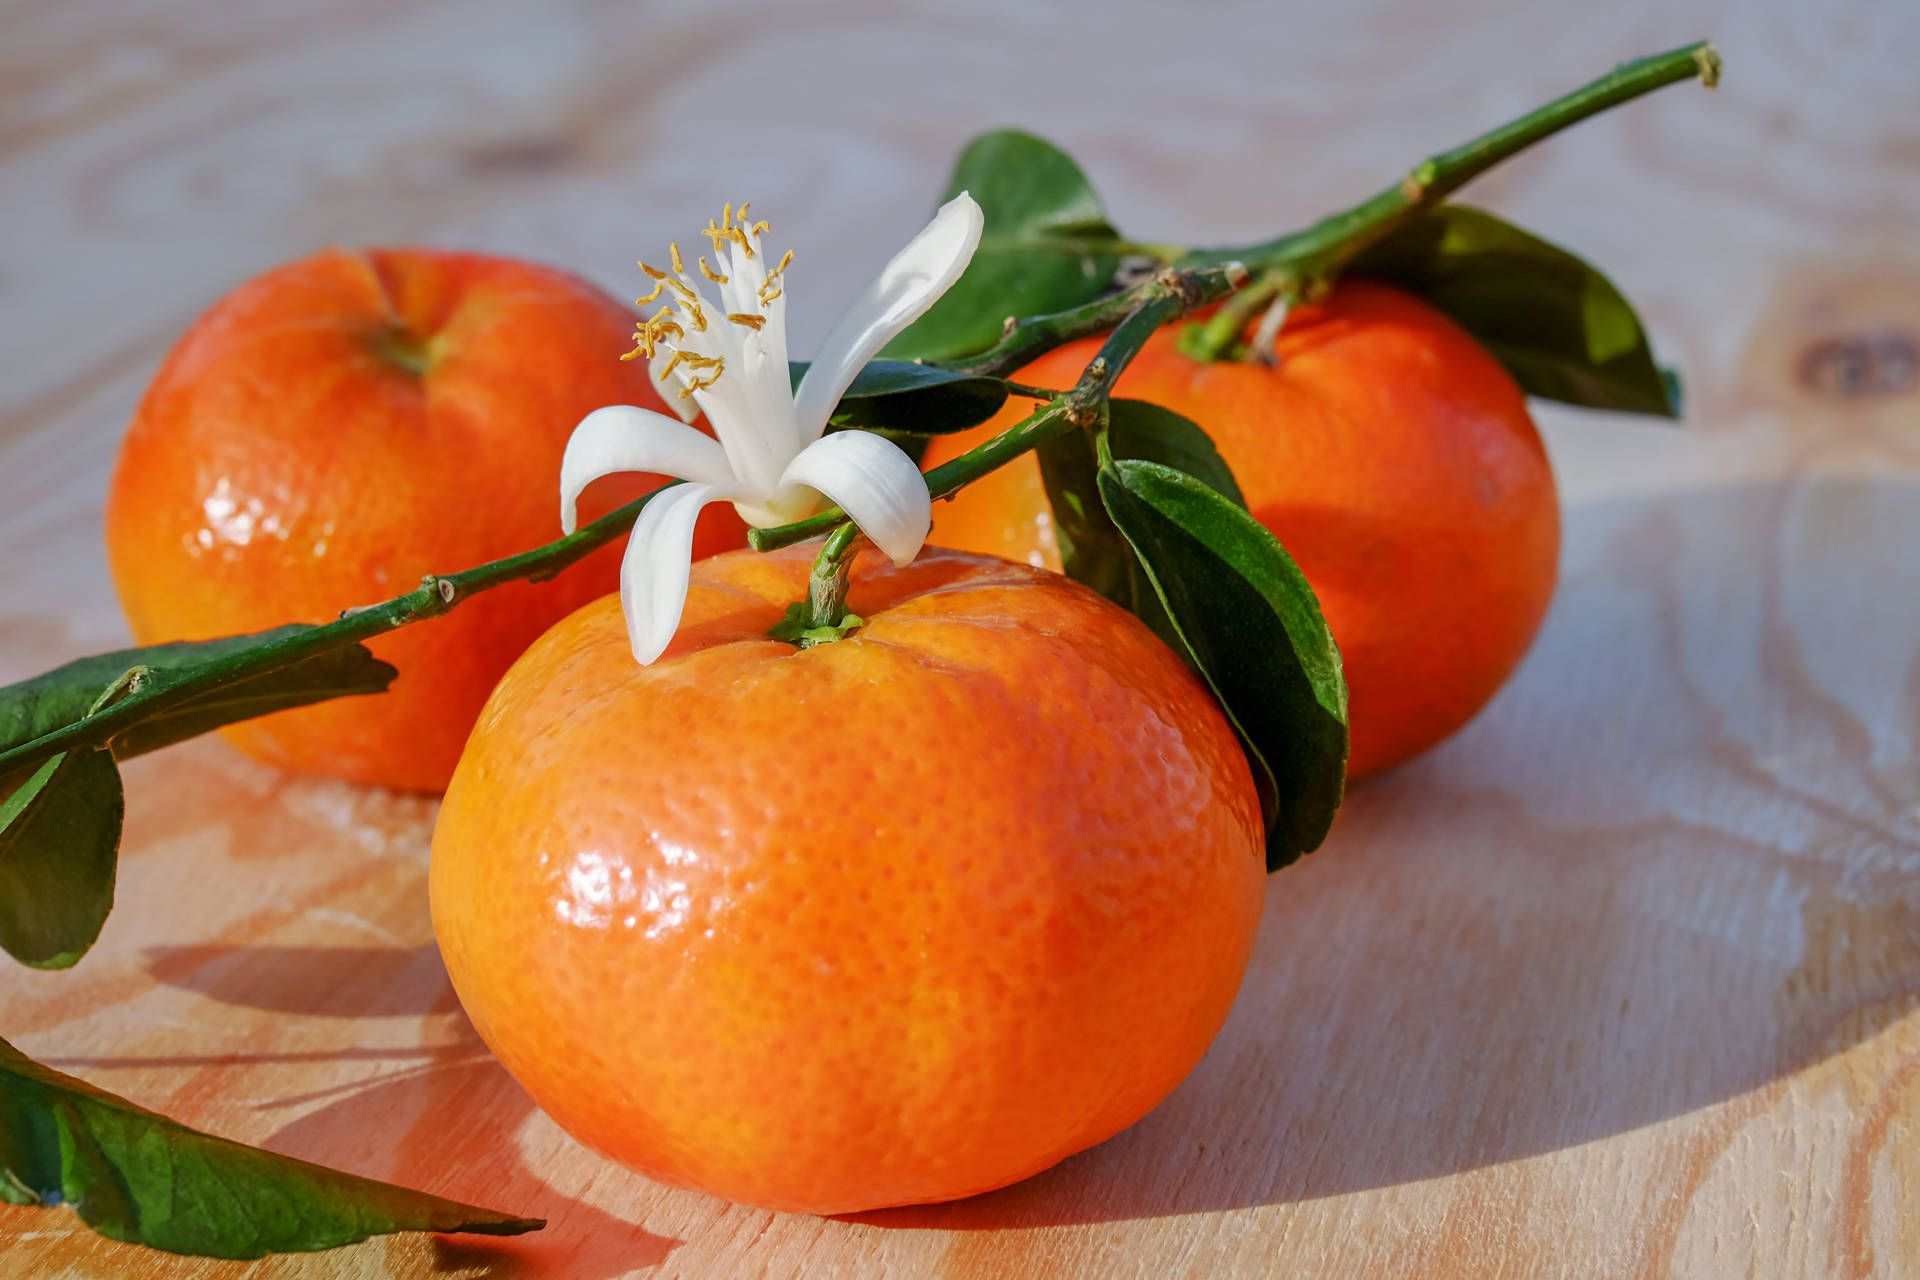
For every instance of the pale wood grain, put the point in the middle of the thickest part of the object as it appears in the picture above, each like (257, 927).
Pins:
(1621, 982)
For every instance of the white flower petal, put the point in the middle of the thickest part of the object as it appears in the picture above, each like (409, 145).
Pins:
(653, 574)
(624, 438)
(875, 483)
(910, 284)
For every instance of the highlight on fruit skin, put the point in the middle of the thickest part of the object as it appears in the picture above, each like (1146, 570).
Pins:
(770, 459)
(893, 920)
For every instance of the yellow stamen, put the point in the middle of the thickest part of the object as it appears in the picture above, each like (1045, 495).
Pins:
(650, 333)
(733, 228)
(663, 325)
(727, 235)
(770, 287)
(696, 363)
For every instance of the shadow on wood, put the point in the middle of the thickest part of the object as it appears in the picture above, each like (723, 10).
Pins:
(328, 982)
(1672, 866)
(451, 1126)
(1498, 955)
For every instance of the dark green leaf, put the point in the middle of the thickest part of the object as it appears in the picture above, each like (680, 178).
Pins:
(63, 695)
(917, 399)
(1253, 629)
(59, 848)
(60, 820)
(1092, 550)
(1559, 326)
(1047, 246)
(1146, 431)
(137, 1176)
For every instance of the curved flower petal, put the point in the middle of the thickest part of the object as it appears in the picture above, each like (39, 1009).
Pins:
(653, 574)
(910, 284)
(621, 437)
(875, 483)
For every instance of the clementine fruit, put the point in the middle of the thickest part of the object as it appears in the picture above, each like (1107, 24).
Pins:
(1390, 454)
(340, 426)
(894, 919)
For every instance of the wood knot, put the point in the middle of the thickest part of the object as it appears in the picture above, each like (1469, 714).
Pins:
(1857, 366)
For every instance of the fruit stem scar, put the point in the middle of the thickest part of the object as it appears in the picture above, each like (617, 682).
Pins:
(403, 349)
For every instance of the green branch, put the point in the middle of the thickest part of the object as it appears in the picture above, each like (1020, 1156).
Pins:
(1292, 262)
(1036, 335)
(145, 697)
(1133, 315)
(1302, 260)
(1322, 249)
(1202, 276)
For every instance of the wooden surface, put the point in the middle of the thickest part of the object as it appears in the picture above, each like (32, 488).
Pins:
(1620, 982)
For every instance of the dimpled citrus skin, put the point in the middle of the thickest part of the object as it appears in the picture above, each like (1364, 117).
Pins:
(895, 919)
(340, 426)
(1391, 455)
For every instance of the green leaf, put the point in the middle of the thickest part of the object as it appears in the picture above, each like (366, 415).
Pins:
(1146, 431)
(59, 849)
(137, 1176)
(917, 399)
(1047, 246)
(1559, 326)
(1092, 550)
(1253, 630)
(61, 696)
